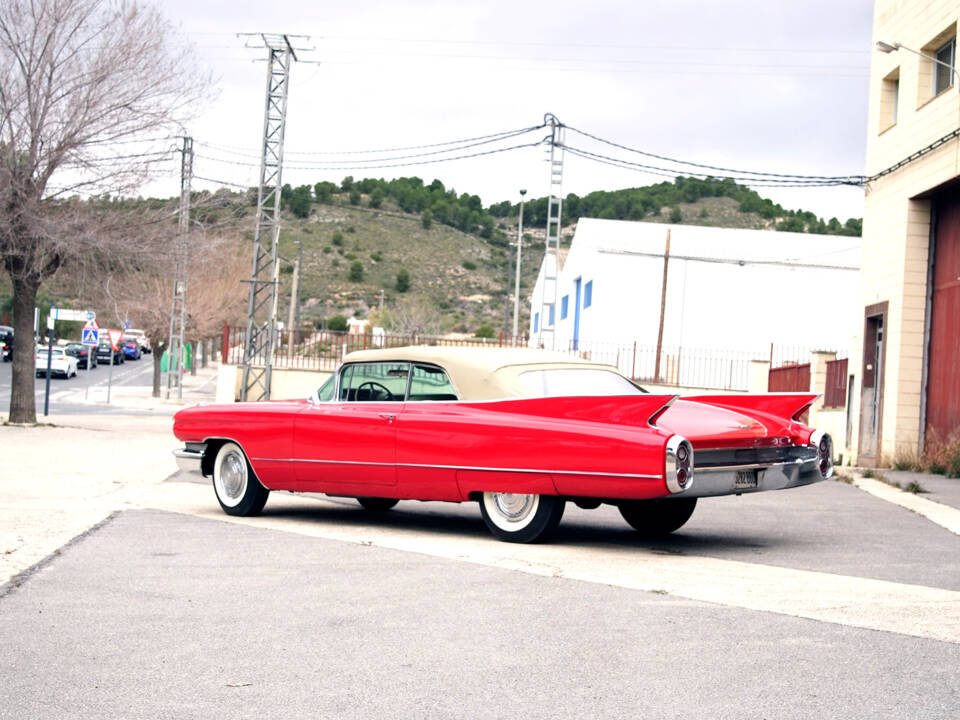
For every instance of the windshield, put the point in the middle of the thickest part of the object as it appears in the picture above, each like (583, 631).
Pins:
(571, 382)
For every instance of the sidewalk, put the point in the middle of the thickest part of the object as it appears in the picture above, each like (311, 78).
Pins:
(72, 470)
(198, 388)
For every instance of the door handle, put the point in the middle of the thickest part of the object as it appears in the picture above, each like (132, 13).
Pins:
(387, 416)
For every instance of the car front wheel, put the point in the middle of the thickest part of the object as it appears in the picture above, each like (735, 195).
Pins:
(237, 487)
(521, 518)
(657, 517)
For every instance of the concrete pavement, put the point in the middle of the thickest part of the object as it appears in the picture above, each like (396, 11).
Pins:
(59, 480)
(131, 594)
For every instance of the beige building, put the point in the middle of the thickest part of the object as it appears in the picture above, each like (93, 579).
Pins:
(906, 363)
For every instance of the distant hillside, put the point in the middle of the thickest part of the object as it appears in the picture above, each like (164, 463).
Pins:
(358, 236)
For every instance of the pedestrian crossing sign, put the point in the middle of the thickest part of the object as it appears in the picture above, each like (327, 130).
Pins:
(91, 336)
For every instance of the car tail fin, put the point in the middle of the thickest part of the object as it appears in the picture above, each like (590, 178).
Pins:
(782, 405)
(623, 410)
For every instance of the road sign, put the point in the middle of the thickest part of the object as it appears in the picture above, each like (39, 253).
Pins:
(65, 314)
(91, 324)
(91, 316)
(115, 336)
(90, 336)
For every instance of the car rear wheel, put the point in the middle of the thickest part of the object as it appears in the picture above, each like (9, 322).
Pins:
(521, 518)
(238, 490)
(657, 517)
(375, 504)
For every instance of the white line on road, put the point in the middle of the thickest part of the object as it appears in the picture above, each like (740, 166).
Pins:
(901, 608)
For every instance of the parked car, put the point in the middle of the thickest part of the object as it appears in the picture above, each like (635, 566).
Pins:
(6, 343)
(103, 353)
(60, 363)
(520, 431)
(83, 353)
(131, 349)
(140, 337)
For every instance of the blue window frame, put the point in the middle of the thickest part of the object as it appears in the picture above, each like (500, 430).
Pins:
(536, 322)
(564, 306)
(588, 294)
(550, 316)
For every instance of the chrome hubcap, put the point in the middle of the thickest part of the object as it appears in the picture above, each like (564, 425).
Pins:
(513, 507)
(232, 476)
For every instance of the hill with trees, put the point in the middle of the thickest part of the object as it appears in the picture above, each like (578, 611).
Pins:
(423, 258)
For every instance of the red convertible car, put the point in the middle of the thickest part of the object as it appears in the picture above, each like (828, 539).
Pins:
(521, 431)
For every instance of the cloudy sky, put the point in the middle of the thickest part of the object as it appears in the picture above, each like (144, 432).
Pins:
(760, 85)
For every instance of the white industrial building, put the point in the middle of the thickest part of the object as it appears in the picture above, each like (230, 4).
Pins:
(729, 292)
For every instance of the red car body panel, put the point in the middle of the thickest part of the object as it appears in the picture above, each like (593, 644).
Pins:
(572, 446)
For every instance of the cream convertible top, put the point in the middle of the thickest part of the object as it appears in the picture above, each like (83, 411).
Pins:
(480, 373)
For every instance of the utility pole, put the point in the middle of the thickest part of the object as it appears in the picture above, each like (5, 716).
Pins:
(178, 310)
(548, 298)
(264, 276)
(293, 316)
(516, 290)
(663, 308)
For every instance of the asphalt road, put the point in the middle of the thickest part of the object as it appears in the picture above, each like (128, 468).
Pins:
(167, 614)
(69, 396)
(164, 615)
(821, 601)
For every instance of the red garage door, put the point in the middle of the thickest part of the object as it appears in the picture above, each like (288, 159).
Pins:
(943, 388)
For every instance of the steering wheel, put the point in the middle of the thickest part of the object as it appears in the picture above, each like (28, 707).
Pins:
(375, 386)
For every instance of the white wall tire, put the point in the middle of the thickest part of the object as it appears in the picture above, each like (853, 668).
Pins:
(237, 488)
(521, 518)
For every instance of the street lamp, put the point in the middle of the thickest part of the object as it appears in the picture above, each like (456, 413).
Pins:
(516, 290)
(886, 47)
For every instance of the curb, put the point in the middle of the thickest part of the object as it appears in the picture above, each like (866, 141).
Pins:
(943, 515)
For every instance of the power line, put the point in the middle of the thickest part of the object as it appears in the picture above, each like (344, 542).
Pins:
(389, 165)
(645, 153)
(667, 172)
(504, 134)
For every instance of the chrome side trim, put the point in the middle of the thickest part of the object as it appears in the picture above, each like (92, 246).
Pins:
(462, 467)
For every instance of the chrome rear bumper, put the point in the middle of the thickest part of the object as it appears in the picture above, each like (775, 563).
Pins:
(735, 480)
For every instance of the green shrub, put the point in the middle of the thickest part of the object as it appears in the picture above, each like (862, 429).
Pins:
(485, 331)
(338, 323)
(337, 238)
(675, 215)
(469, 265)
(376, 256)
(356, 271)
(403, 280)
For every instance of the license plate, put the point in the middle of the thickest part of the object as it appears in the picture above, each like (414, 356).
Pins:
(745, 479)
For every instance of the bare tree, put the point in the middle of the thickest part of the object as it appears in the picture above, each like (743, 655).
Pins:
(215, 291)
(83, 85)
(412, 316)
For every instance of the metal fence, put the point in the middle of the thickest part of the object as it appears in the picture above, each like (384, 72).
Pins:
(324, 349)
(685, 367)
(705, 368)
(790, 378)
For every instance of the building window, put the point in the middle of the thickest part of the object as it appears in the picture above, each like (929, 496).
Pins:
(936, 65)
(550, 315)
(536, 322)
(889, 100)
(564, 306)
(943, 68)
(588, 294)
